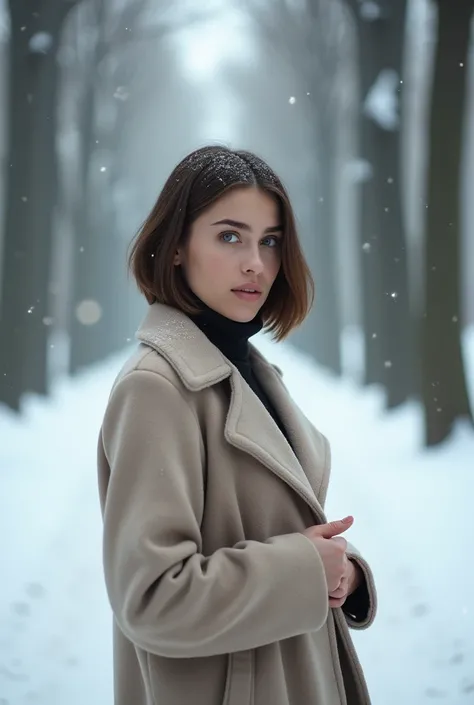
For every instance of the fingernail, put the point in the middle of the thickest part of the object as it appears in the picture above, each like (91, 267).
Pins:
(347, 520)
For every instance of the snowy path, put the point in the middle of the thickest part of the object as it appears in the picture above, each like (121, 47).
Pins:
(413, 522)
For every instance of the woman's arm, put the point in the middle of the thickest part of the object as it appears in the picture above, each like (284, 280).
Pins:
(167, 597)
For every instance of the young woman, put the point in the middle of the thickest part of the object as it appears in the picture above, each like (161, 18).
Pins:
(227, 584)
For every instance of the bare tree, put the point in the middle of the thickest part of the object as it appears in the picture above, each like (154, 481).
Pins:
(387, 325)
(31, 194)
(445, 396)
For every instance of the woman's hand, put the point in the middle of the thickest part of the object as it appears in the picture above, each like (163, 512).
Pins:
(343, 576)
(332, 549)
(350, 581)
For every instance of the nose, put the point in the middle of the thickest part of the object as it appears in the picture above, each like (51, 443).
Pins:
(252, 261)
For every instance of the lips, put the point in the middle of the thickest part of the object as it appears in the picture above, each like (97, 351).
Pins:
(247, 294)
(249, 289)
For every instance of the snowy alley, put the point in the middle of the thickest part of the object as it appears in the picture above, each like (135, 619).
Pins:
(412, 512)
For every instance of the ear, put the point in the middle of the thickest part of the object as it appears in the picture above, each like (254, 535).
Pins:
(177, 259)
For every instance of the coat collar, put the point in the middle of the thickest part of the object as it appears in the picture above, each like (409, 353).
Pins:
(170, 332)
(199, 364)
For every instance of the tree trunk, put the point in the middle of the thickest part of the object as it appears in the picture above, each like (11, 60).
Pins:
(43, 194)
(445, 396)
(30, 197)
(370, 254)
(386, 314)
(17, 235)
(396, 323)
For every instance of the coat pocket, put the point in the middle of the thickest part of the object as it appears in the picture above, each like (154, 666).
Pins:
(240, 678)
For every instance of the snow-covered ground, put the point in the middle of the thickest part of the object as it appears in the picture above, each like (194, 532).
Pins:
(412, 513)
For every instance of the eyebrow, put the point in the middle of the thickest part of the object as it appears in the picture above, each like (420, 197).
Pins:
(243, 226)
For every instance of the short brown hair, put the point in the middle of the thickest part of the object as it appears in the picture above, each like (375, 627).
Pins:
(199, 180)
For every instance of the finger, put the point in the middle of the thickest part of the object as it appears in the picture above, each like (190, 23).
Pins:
(341, 590)
(333, 593)
(333, 528)
(337, 594)
(342, 541)
(336, 603)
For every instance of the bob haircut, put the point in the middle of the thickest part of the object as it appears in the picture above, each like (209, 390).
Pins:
(198, 181)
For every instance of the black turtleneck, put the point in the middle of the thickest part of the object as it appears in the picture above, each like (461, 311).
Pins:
(232, 339)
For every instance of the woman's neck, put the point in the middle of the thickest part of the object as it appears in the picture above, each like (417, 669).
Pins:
(231, 337)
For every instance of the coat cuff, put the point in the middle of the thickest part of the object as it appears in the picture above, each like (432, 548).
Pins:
(360, 608)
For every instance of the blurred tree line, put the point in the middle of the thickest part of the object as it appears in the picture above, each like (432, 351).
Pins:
(73, 65)
(71, 68)
(412, 346)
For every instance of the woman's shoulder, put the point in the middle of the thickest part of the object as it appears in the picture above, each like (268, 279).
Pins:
(146, 361)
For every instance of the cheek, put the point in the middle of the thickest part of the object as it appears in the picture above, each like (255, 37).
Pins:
(273, 264)
(205, 261)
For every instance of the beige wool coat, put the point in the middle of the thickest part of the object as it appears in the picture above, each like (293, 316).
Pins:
(217, 596)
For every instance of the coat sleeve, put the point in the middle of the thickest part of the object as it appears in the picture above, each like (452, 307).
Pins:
(360, 608)
(167, 597)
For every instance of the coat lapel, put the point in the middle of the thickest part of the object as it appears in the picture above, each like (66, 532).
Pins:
(249, 427)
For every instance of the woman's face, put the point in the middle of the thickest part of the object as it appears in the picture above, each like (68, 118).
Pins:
(233, 246)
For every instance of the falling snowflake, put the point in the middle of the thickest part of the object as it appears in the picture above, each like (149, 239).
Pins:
(121, 93)
(40, 43)
(292, 100)
(88, 312)
(366, 246)
(381, 103)
(370, 10)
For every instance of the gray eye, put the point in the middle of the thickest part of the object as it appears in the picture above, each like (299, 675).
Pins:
(227, 237)
(270, 241)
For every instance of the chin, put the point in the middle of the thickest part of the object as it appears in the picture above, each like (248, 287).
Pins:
(237, 311)
(242, 316)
